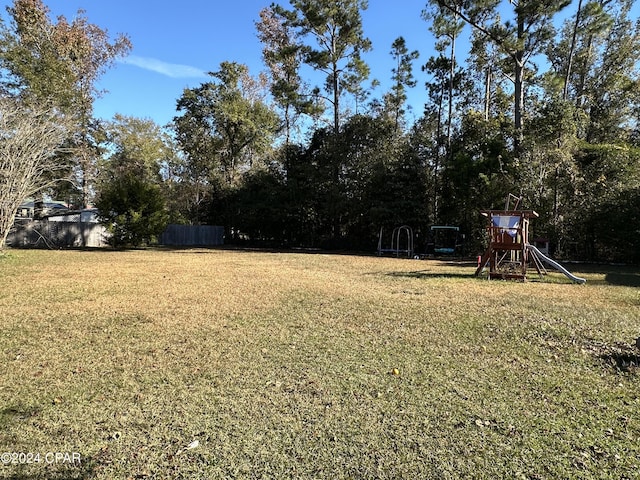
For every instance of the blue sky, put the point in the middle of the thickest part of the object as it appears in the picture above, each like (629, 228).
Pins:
(176, 43)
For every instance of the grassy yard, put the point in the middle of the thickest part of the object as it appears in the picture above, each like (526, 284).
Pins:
(228, 364)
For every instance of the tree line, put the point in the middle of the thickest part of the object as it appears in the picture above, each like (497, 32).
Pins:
(540, 107)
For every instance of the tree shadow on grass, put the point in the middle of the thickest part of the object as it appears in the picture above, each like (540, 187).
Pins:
(84, 471)
(620, 275)
(420, 274)
(619, 279)
(14, 413)
(623, 279)
(40, 465)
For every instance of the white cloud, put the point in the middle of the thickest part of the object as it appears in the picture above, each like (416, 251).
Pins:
(172, 70)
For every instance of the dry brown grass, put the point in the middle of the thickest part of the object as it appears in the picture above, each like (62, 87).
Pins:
(282, 366)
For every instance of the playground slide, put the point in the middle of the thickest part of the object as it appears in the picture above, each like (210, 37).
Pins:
(554, 264)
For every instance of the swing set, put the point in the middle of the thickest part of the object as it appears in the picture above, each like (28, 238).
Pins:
(401, 242)
(445, 240)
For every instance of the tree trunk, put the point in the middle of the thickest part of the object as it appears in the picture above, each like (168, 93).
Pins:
(487, 93)
(518, 101)
(452, 73)
(6, 222)
(336, 159)
(567, 77)
(437, 162)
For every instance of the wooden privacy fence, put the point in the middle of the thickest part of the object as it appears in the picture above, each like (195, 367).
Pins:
(74, 230)
(192, 235)
(57, 234)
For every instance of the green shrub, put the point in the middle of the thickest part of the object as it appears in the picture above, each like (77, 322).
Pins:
(133, 210)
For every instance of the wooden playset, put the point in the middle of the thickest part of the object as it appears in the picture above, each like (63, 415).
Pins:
(507, 253)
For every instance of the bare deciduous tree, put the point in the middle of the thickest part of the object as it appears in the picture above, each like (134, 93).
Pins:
(29, 139)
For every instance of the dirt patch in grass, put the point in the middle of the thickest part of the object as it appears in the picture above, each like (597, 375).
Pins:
(619, 357)
(225, 364)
